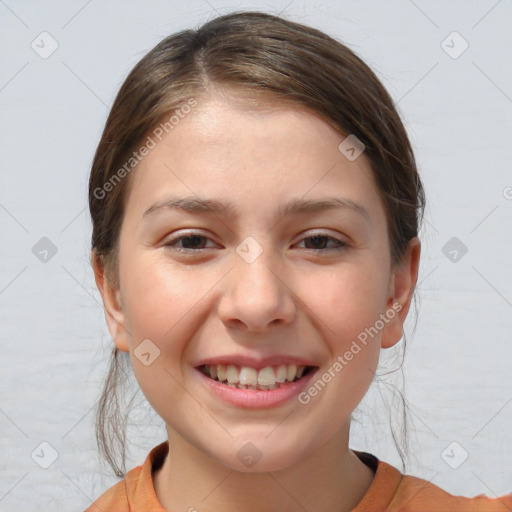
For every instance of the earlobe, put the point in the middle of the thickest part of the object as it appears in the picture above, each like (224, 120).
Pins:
(114, 314)
(401, 290)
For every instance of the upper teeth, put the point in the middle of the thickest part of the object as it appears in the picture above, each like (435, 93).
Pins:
(267, 376)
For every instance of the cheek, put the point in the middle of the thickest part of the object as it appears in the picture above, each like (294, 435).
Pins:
(348, 301)
(155, 299)
(349, 305)
(158, 300)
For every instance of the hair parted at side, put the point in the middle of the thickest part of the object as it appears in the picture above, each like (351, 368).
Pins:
(269, 57)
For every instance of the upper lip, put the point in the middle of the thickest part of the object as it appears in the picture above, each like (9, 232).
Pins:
(255, 362)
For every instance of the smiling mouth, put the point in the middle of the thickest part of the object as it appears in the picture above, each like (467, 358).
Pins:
(268, 378)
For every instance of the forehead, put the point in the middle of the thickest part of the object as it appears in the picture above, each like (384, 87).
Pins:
(241, 118)
(227, 146)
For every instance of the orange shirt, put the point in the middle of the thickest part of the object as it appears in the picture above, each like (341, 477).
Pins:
(390, 491)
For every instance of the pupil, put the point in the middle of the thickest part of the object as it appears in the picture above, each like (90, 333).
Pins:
(317, 238)
(196, 238)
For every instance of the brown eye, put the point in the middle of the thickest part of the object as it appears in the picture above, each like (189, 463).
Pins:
(318, 243)
(195, 242)
(190, 243)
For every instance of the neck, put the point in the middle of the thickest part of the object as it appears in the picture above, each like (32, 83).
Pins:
(332, 479)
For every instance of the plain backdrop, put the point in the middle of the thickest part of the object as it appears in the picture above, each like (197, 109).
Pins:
(454, 92)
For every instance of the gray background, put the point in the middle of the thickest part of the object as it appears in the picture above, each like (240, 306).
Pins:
(54, 340)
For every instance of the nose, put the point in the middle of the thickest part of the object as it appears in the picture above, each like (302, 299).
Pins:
(256, 297)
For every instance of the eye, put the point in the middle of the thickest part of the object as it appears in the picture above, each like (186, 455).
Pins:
(190, 241)
(194, 242)
(318, 241)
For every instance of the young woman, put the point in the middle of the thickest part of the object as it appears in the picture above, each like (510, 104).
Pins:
(256, 205)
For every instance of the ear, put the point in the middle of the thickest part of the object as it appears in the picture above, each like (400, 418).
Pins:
(112, 304)
(401, 288)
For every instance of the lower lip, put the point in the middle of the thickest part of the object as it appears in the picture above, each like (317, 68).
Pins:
(256, 399)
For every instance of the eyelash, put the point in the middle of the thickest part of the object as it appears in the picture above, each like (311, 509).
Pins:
(341, 245)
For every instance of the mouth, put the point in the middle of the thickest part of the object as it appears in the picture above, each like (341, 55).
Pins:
(247, 378)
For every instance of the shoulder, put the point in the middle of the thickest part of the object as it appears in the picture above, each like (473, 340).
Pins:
(392, 491)
(113, 499)
(136, 492)
(418, 495)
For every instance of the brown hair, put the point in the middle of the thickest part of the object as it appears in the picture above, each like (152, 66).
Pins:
(259, 53)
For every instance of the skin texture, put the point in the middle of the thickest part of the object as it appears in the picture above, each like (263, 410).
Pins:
(290, 300)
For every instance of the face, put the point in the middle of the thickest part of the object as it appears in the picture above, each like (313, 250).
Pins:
(253, 286)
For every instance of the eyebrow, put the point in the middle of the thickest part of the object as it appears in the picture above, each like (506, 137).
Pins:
(196, 204)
